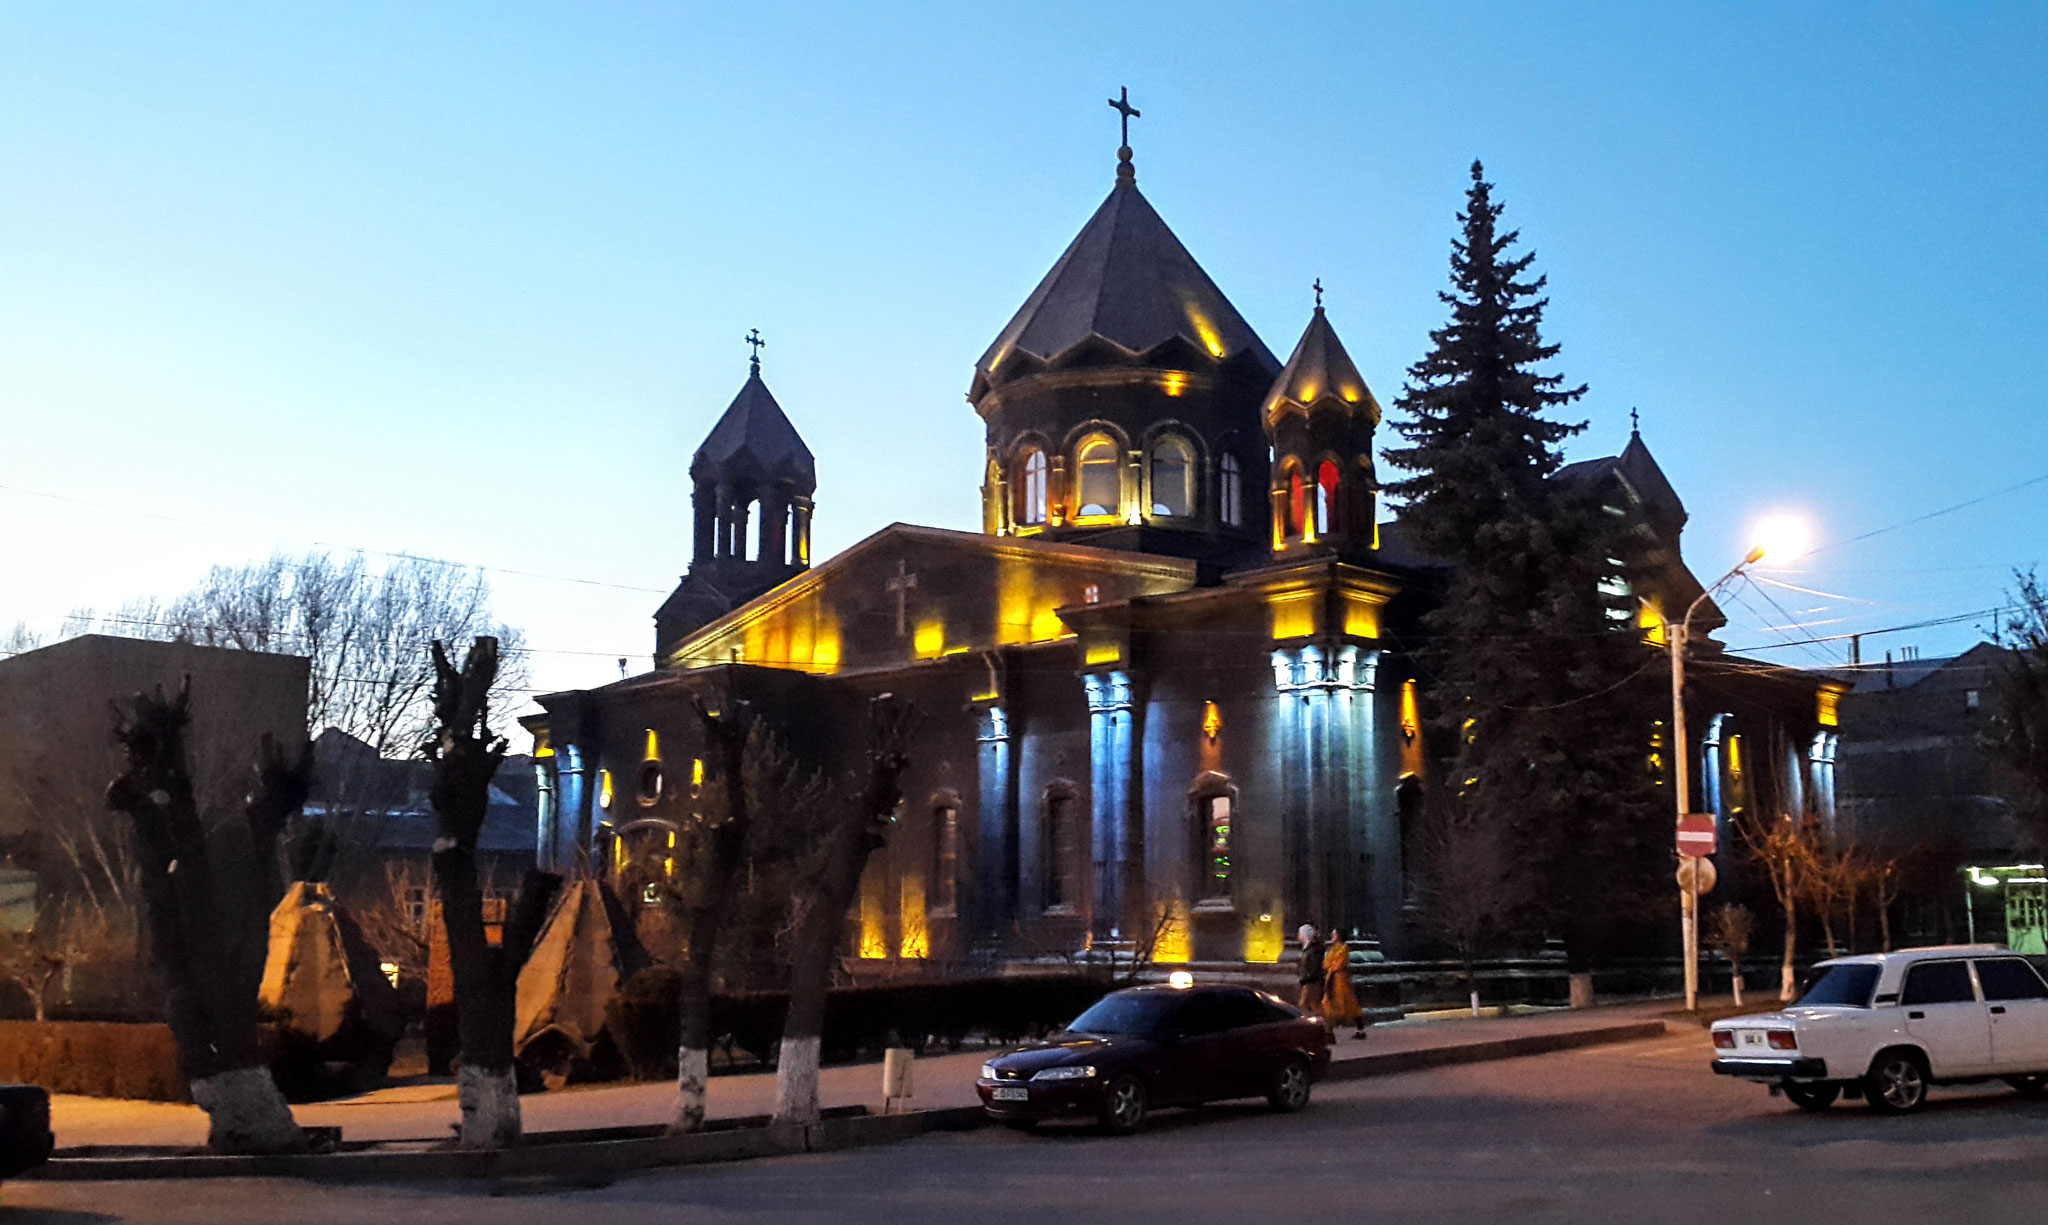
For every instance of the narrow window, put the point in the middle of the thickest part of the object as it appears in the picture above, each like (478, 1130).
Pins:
(1173, 472)
(1297, 501)
(1031, 492)
(757, 539)
(1326, 497)
(1970, 699)
(1216, 858)
(1061, 887)
(946, 858)
(1100, 490)
(1232, 493)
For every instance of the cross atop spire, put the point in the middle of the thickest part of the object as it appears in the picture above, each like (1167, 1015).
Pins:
(1319, 293)
(754, 339)
(1121, 104)
(1635, 421)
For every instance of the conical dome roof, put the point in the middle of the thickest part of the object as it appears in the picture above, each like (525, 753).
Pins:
(1320, 370)
(1127, 280)
(754, 442)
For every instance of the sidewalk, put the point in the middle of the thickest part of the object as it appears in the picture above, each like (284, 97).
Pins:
(428, 1112)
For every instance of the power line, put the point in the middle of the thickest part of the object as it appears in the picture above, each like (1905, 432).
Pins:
(1932, 514)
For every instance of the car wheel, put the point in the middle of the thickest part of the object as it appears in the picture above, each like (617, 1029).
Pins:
(1289, 1089)
(1813, 1097)
(1897, 1083)
(2033, 1084)
(1123, 1105)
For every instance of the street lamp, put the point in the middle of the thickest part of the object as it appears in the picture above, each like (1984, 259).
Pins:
(1780, 533)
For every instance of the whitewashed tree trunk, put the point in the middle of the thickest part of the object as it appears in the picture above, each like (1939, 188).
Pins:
(246, 1114)
(490, 1107)
(693, 1068)
(1736, 985)
(1582, 990)
(1475, 1003)
(1785, 973)
(796, 1080)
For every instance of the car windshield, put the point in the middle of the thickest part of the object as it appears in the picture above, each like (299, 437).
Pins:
(1842, 986)
(1139, 1013)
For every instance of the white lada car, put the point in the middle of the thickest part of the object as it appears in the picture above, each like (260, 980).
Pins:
(1884, 1027)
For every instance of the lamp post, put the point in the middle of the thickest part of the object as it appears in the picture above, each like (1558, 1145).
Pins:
(1688, 901)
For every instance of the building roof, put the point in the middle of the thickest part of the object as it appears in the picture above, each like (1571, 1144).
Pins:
(1320, 370)
(754, 443)
(1127, 280)
(1636, 467)
(388, 799)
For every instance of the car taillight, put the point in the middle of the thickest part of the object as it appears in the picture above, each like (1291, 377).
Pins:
(1782, 1040)
(1725, 1039)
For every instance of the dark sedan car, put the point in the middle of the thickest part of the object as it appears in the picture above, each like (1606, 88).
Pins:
(1160, 1046)
(25, 1138)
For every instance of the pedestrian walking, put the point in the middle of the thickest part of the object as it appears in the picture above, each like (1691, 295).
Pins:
(1340, 1002)
(1311, 967)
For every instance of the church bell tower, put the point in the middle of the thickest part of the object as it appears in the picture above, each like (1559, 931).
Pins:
(1320, 417)
(751, 486)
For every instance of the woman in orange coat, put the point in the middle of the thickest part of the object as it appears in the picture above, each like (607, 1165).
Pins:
(1340, 1002)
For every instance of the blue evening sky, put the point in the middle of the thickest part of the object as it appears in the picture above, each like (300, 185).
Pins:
(471, 280)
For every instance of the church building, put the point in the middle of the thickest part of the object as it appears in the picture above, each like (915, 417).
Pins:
(1166, 691)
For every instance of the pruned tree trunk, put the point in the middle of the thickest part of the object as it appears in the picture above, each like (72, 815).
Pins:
(208, 946)
(863, 831)
(719, 867)
(465, 756)
(1787, 978)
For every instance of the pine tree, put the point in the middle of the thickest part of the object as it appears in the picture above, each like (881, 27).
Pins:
(1541, 698)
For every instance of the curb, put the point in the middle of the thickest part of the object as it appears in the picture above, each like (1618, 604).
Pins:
(1395, 1062)
(585, 1157)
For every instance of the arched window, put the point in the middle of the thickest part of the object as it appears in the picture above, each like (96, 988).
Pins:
(1326, 497)
(1100, 488)
(1062, 849)
(1031, 490)
(1230, 500)
(757, 540)
(1173, 477)
(1212, 809)
(1297, 501)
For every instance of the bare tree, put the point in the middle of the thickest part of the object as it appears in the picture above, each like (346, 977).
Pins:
(72, 935)
(1885, 883)
(1785, 849)
(1471, 888)
(465, 756)
(1728, 934)
(860, 827)
(208, 939)
(2019, 734)
(391, 924)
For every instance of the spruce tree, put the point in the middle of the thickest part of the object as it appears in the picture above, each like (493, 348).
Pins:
(1540, 691)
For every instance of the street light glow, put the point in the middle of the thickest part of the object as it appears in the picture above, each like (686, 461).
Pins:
(1781, 538)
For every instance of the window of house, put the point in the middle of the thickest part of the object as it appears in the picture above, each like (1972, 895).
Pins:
(946, 858)
(1326, 497)
(1970, 699)
(1031, 491)
(416, 907)
(1216, 831)
(1173, 477)
(1231, 496)
(1062, 845)
(1101, 490)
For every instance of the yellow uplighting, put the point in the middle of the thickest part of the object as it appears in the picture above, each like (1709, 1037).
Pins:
(1263, 942)
(1294, 614)
(604, 788)
(916, 942)
(696, 774)
(874, 939)
(653, 746)
(1207, 331)
(929, 639)
(1411, 729)
(543, 746)
(1361, 616)
(1174, 383)
(1174, 945)
(1212, 720)
(1651, 622)
(1780, 538)
(1105, 653)
(1829, 713)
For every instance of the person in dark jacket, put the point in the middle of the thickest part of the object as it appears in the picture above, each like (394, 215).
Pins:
(1312, 949)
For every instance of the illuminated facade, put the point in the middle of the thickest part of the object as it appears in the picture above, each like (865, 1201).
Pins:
(1167, 693)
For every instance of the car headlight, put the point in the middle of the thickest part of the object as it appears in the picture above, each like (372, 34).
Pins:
(1069, 1072)
(988, 1071)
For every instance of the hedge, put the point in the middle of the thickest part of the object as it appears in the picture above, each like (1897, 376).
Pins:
(647, 1026)
(94, 1058)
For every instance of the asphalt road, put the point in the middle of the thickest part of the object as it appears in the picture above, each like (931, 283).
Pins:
(1634, 1132)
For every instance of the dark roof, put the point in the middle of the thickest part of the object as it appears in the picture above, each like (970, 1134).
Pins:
(754, 442)
(1127, 280)
(1640, 471)
(1320, 370)
(388, 798)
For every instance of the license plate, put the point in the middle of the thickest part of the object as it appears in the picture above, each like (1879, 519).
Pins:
(1751, 1037)
(1009, 1093)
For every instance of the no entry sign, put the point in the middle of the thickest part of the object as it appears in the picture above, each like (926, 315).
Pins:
(1696, 834)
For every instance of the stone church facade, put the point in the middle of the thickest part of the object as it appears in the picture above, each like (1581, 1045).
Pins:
(1167, 690)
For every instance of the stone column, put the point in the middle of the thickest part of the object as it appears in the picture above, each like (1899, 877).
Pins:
(998, 864)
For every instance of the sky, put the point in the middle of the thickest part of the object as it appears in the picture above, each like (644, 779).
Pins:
(471, 280)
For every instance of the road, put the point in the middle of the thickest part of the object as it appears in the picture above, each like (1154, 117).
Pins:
(1635, 1132)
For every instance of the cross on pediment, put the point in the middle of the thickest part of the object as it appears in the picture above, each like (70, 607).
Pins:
(901, 586)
